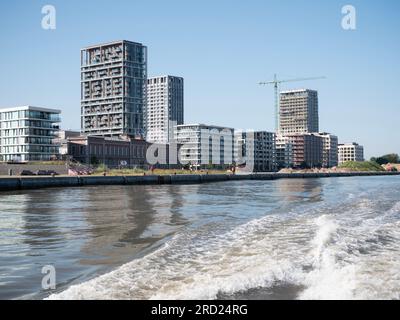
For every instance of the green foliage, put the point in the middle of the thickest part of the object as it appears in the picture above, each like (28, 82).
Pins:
(361, 166)
(304, 165)
(381, 161)
(48, 163)
(94, 161)
(388, 158)
(101, 168)
(210, 166)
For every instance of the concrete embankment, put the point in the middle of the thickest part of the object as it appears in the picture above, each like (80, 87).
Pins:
(22, 183)
(18, 168)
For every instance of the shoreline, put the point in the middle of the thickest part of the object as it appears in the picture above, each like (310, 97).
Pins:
(26, 183)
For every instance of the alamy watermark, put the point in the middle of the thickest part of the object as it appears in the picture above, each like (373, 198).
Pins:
(349, 20)
(49, 19)
(201, 147)
(49, 280)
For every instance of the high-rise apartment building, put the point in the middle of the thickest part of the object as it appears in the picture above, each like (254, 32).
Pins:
(350, 152)
(298, 112)
(27, 134)
(113, 89)
(165, 110)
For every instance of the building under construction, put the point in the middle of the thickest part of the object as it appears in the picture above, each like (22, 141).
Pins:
(298, 112)
(113, 89)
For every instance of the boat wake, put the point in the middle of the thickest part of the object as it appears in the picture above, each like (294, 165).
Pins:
(349, 250)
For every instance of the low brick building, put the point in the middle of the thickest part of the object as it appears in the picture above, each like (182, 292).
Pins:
(113, 152)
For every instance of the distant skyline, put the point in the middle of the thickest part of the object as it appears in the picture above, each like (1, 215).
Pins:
(222, 49)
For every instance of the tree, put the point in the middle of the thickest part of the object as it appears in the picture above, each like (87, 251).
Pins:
(392, 158)
(381, 161)
(94, 161)
(388, 158)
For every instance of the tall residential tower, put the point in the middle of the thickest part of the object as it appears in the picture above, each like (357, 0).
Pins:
(164, 108)
(298, 112)
(113, 89)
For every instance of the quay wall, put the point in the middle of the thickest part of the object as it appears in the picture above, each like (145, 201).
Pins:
(23, 183)
(18, 168)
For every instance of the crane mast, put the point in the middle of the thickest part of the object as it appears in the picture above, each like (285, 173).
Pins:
(276, 84)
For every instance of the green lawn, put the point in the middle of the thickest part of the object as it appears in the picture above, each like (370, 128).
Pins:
(361, 166)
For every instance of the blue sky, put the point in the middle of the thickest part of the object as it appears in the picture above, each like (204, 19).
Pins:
(222, 49)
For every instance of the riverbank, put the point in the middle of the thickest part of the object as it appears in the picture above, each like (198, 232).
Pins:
(23, 183)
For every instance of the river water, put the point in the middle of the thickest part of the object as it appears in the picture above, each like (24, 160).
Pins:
(334, 238)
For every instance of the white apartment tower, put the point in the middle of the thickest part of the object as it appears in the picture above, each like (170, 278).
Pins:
(113, 89)
(351, 152)
(298, 112)
(165, 104)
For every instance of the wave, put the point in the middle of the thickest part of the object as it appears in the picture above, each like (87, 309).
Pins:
(347, 251)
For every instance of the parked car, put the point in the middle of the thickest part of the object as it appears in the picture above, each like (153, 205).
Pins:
(27, 173)
(46, 173)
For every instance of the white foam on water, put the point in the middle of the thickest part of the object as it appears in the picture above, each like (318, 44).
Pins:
(196, 266)
(348, 252)
(328, 279)
(356, 257)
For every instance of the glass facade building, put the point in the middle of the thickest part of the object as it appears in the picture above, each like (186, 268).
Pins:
(27, 133)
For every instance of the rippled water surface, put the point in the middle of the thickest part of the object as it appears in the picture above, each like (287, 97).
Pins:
(336, 238)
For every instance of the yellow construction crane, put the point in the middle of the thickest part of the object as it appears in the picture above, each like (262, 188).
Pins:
(276, 84)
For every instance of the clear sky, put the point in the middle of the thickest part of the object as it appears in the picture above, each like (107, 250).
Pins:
(222, 49)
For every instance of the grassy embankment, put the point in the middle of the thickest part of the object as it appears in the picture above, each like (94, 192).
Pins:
(140, 172)
(48, 163)
(361, 166)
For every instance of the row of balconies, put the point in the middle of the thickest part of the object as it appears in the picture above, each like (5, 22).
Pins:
(101, 73)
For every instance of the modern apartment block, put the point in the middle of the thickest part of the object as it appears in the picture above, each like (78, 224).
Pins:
(330, 150)
(350, 152)
(256, 150)
(283, 152)
(27, 133)
(298, 112)
(205, 146)
(307, 150)
(164, 108)
(113, 89)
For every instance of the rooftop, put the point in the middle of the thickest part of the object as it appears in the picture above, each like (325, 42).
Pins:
(164, 76)
(33, 108)
(297, 91)
(110, 43)
(349, 144)
(201, 125)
